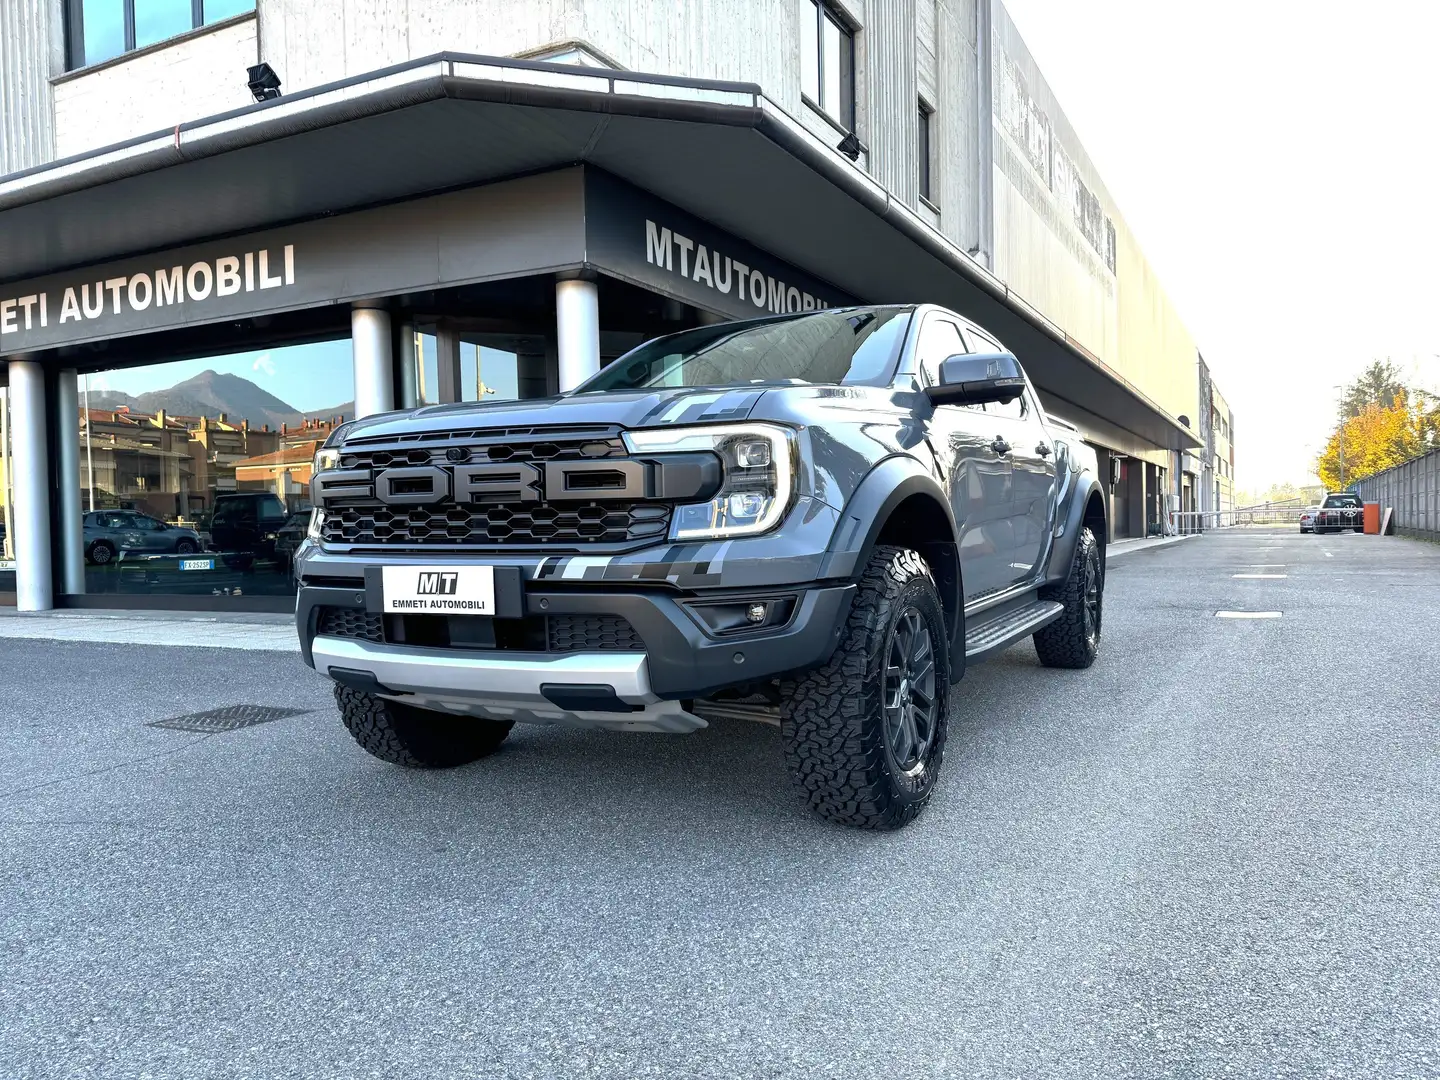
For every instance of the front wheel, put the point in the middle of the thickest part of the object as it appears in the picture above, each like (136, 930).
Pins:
(101, 552)
(1073, 640)
(417, 738)
(185, 547)
(864, 734)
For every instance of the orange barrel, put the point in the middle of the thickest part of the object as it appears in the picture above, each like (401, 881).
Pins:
(1372, 518)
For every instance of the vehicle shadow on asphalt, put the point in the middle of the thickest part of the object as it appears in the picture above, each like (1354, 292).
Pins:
(730, 776)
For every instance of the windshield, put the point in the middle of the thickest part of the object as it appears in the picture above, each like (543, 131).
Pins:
(856, 346)
(1342, 501)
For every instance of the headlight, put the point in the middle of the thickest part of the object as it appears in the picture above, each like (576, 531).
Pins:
(317, 520)
(758, 477)
(327, 459)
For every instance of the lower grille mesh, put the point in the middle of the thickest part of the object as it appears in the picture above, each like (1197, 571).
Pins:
(592, 633)
(351, 623)
(563, 633)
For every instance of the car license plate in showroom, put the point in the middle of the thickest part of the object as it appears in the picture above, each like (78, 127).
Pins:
(440, 590)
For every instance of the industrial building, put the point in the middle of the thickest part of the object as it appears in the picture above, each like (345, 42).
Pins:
(288, 211)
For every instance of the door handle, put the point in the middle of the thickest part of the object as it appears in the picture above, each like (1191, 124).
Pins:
(1043, 449)
(1000, 446)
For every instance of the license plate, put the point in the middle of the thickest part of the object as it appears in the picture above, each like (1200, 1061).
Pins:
(197, 564)
(442, 590)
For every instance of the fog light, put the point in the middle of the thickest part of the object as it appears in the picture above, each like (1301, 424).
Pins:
(755, 613)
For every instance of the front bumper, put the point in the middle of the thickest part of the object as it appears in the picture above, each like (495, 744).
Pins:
(681, 661)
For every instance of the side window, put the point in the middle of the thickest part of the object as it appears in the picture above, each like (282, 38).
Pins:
(272, 509)
(232, 512)
(1018, 409)
(939, 340)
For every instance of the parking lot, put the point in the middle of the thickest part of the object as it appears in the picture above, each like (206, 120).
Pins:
(1214, 853)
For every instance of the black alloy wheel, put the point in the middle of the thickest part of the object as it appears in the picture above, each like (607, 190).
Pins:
(910, 701)
(185, 547)
(1090, 583)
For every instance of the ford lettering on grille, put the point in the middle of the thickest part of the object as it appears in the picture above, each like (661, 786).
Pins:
(509, 482)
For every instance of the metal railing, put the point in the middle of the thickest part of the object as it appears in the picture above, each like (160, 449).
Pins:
(1184, 522)
(1412, 493)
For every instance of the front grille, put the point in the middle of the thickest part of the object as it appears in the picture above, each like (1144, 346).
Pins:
(561, 633)
(460, 526)
(490, 521)
(592, 633)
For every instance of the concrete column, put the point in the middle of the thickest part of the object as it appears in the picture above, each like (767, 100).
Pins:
(577, 330)
(374, 361)
(447, 365)
(67, 436)
(30, 461)
(405, 357)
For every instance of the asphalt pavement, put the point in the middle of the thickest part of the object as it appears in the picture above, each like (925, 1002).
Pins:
(1215, 853)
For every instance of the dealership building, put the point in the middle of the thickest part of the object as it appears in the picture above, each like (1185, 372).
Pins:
(227, 223)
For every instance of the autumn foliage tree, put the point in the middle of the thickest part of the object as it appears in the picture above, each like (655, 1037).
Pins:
(1391, 431)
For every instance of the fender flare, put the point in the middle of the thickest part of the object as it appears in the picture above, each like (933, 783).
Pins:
(1067, 533)
(875, 499)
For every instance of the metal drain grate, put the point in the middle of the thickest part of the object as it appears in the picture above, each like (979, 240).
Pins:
(230, 718)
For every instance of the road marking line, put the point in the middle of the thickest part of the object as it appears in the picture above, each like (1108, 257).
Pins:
(1252, 577)
(1247, 614)
(1328, 555)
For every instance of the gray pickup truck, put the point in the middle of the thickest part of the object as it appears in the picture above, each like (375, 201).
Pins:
(816, 519)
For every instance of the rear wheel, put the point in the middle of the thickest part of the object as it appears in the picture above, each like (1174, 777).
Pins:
(417, 738)
(864, 734)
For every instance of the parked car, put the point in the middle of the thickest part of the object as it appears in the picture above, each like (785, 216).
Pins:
(1342, 510)
(1307, 521)
(290, 536)
(109, 532)
(819, 520)
(244, 526)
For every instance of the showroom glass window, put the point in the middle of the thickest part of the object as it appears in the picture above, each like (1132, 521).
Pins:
(195, 474)
(100, 30)
(827, 62)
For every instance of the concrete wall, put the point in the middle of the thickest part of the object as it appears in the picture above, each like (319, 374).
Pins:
(1062, 245)
(200, 75)
(1223, 458)
(31, 49)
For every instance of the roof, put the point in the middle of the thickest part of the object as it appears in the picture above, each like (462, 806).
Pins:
(466, 120)
(299, 454)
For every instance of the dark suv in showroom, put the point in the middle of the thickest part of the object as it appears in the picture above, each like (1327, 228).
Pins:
(244, 526)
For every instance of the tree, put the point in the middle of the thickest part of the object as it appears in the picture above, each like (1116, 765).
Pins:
(1377, 438)
(1379, 384)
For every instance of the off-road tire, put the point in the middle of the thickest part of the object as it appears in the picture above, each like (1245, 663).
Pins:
(417, 738)
(101, 553)
(1071, 641)
(833, 722)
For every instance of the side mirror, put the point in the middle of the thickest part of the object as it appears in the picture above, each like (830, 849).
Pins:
(976, 378)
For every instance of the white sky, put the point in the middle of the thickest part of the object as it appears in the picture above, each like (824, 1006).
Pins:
(1278, 162)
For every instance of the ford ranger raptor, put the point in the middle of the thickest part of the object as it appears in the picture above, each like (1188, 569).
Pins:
(819, 519)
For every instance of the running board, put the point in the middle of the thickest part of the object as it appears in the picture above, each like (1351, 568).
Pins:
(1001, 632)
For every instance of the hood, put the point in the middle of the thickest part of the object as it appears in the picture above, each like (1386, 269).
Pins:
(611, 408)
